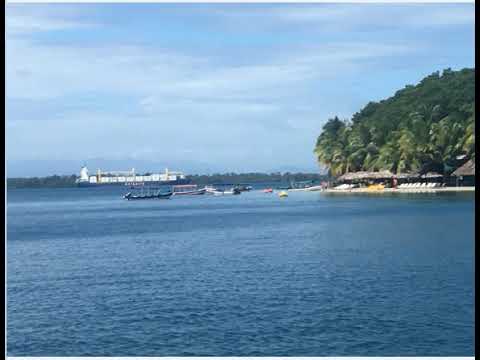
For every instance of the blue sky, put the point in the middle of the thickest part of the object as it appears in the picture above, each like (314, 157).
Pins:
(208, 87)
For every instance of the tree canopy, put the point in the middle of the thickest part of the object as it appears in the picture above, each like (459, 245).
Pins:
(426, 127)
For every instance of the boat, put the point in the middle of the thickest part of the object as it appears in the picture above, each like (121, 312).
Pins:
(267, 191)
(302, 184)
(142, 196)
(233, 191)
(211, 190)
(243, 188)
(283, 194)
(187, 190)
(218, 192)
(129, 178)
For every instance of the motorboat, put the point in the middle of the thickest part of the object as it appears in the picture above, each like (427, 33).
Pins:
(218, 192)
(243, 188)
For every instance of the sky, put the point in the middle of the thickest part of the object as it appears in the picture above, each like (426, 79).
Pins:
(206, 88)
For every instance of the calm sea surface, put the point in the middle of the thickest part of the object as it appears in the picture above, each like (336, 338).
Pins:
(310, 275)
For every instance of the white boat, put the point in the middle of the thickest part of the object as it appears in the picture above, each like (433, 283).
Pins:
(218, 192)
(210, 190)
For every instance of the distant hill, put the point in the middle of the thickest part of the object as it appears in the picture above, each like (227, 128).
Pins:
(422, 128)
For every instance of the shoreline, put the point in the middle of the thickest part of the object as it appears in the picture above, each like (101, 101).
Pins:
(390, 190)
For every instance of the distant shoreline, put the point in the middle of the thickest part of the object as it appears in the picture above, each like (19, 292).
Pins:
(68, 181)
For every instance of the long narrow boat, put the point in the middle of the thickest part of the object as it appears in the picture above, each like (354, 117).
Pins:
(130, 196)
(187, 190)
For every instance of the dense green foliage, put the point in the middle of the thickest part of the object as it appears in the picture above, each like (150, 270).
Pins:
(41, 182)
(421, 128)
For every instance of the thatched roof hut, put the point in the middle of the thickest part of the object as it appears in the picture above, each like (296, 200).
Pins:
(467, 169)
(365, 175)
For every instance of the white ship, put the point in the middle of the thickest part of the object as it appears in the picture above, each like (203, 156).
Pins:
(129, 178)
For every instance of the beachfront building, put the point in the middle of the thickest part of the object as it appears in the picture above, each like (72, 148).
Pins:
(366, 178)
(386, 179)
(465, 174)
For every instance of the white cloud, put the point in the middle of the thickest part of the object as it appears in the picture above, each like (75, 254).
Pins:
(21, 20)
(348, 16)
(60, 70)
(162, 99)
(176, 99)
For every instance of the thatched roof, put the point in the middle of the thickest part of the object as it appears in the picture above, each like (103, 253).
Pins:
(360, 175)
(466, 169)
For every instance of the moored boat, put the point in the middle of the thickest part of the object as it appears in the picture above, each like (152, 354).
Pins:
(217, 192)
(131, 196)
(243, 188)
(187, 190)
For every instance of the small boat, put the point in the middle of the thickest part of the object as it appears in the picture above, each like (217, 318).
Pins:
(187, 190)
(269, 190)
(233, 191)
(211, 190)
(130, 196)
(302, 184)
(243, 188)
(217, 192)
(283, 194)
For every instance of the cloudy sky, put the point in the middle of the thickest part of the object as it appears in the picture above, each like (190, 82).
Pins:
(204, 88)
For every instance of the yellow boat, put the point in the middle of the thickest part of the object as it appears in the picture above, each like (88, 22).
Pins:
(283, 194)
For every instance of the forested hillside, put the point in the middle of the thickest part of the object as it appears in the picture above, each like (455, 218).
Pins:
(426, 127)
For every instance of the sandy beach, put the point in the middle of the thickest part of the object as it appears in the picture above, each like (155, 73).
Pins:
(390, 190)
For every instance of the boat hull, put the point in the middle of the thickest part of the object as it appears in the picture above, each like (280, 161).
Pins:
(194, 192)
(226, 192)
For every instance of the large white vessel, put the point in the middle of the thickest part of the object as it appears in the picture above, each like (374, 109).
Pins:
(129, 178)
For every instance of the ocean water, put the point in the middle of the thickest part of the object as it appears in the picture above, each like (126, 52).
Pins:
(250, 275)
